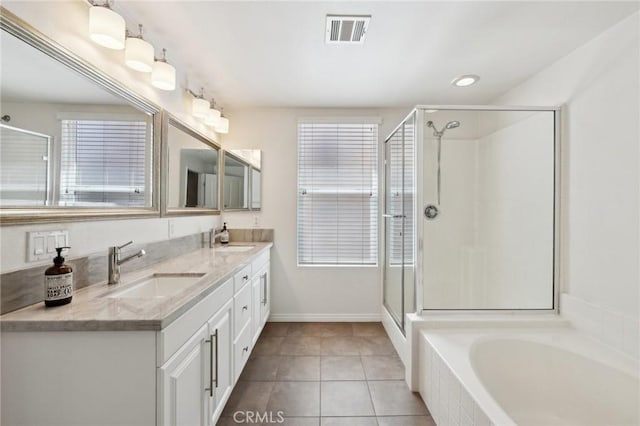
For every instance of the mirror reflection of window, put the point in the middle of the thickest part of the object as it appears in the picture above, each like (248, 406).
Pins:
(24, 167)
(103, 163)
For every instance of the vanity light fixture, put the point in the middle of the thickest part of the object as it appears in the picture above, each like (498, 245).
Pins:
(106, 27)
(163, 74)
(199, 105)
(138, 53)
(465, 80)
(213, 115)
(223, 124)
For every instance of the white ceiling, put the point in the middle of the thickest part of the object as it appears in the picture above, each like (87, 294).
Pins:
(272, 53)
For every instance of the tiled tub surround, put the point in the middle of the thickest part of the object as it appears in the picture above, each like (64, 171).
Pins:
(26, 287)
(622, 332)
(92, 309)
(525, 376)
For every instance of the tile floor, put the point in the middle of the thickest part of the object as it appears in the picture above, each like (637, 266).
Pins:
(325, 374)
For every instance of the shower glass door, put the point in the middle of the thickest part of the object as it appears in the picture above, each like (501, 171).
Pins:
(489, 177)
(398, 274)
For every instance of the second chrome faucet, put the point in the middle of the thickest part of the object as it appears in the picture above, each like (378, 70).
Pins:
(115, 261)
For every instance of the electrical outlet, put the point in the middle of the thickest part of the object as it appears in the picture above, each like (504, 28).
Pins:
(42, 245)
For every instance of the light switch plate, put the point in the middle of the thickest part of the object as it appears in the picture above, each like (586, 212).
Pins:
(42, 244)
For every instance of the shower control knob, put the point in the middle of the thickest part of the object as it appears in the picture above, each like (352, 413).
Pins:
(431, 211)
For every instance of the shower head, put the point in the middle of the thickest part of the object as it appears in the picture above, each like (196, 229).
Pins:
(438, 133)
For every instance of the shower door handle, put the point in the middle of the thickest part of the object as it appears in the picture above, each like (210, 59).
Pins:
(394, 216)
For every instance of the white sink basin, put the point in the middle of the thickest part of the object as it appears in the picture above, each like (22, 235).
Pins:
(233, 248)
(158, 286)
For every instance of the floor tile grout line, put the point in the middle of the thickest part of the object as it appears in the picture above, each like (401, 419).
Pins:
(371, 399)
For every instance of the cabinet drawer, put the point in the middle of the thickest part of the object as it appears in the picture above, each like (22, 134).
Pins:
(260, 261)
(242, 350)
(241, 309)
(171, 338)
(241, 278)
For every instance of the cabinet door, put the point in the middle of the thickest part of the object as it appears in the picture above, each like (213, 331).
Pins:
(183, 383)
(256, 295)
(220, 369)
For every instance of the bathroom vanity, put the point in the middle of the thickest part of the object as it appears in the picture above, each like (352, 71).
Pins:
(164, 347)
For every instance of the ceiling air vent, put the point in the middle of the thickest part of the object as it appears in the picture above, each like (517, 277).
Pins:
(347, 29)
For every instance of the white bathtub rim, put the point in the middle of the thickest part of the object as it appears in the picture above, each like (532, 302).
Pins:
(454, 346)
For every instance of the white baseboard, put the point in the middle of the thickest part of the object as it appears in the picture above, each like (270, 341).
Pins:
(324, 317)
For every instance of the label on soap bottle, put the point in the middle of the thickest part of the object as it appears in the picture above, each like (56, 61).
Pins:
(58, 286)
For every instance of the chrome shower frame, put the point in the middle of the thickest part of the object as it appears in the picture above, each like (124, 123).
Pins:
(558, 216)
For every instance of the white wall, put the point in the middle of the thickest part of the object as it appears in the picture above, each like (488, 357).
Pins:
(315, 293)
(599, 87)
(66, 22)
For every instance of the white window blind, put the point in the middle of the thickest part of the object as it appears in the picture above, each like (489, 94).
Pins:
(103, 162)
(337, 193)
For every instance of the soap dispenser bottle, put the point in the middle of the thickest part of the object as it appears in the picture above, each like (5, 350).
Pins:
(58, 281)
(224, 238)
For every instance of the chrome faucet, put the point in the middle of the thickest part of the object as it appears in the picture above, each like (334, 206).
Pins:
(214, 234)
(115, 261)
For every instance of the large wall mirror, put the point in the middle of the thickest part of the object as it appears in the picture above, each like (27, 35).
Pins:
(192, 165)
(242, 182)
(73, 143)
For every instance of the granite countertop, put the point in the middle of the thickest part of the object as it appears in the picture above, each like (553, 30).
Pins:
(92, 310)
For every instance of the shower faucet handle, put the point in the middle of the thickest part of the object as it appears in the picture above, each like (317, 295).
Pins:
(431, 211)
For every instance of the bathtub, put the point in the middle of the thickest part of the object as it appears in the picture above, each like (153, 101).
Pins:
(528, 377)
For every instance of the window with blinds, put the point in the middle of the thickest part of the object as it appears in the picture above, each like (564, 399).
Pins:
(103, 162)
(337, 193)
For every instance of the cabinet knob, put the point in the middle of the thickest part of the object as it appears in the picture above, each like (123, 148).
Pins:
(245, 307)
(245, 349)
(245, 277)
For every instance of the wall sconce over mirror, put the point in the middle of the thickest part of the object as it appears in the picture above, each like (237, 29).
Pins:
(242, 181)
(192, 164)
(75, 143)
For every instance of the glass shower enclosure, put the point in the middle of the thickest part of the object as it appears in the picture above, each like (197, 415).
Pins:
(471, 210)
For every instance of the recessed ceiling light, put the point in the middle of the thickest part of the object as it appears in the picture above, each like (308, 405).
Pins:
(465, 80)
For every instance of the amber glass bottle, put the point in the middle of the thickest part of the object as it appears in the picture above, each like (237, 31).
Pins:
(58, 282)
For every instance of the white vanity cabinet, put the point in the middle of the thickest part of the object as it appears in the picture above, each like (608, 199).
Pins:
(182, 374)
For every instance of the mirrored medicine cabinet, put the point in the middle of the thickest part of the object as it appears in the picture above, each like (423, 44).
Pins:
(191, 165)
(242, 180)
(74, 144)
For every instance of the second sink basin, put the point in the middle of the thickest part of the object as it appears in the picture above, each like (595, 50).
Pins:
(158, 286)
(235, 248)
